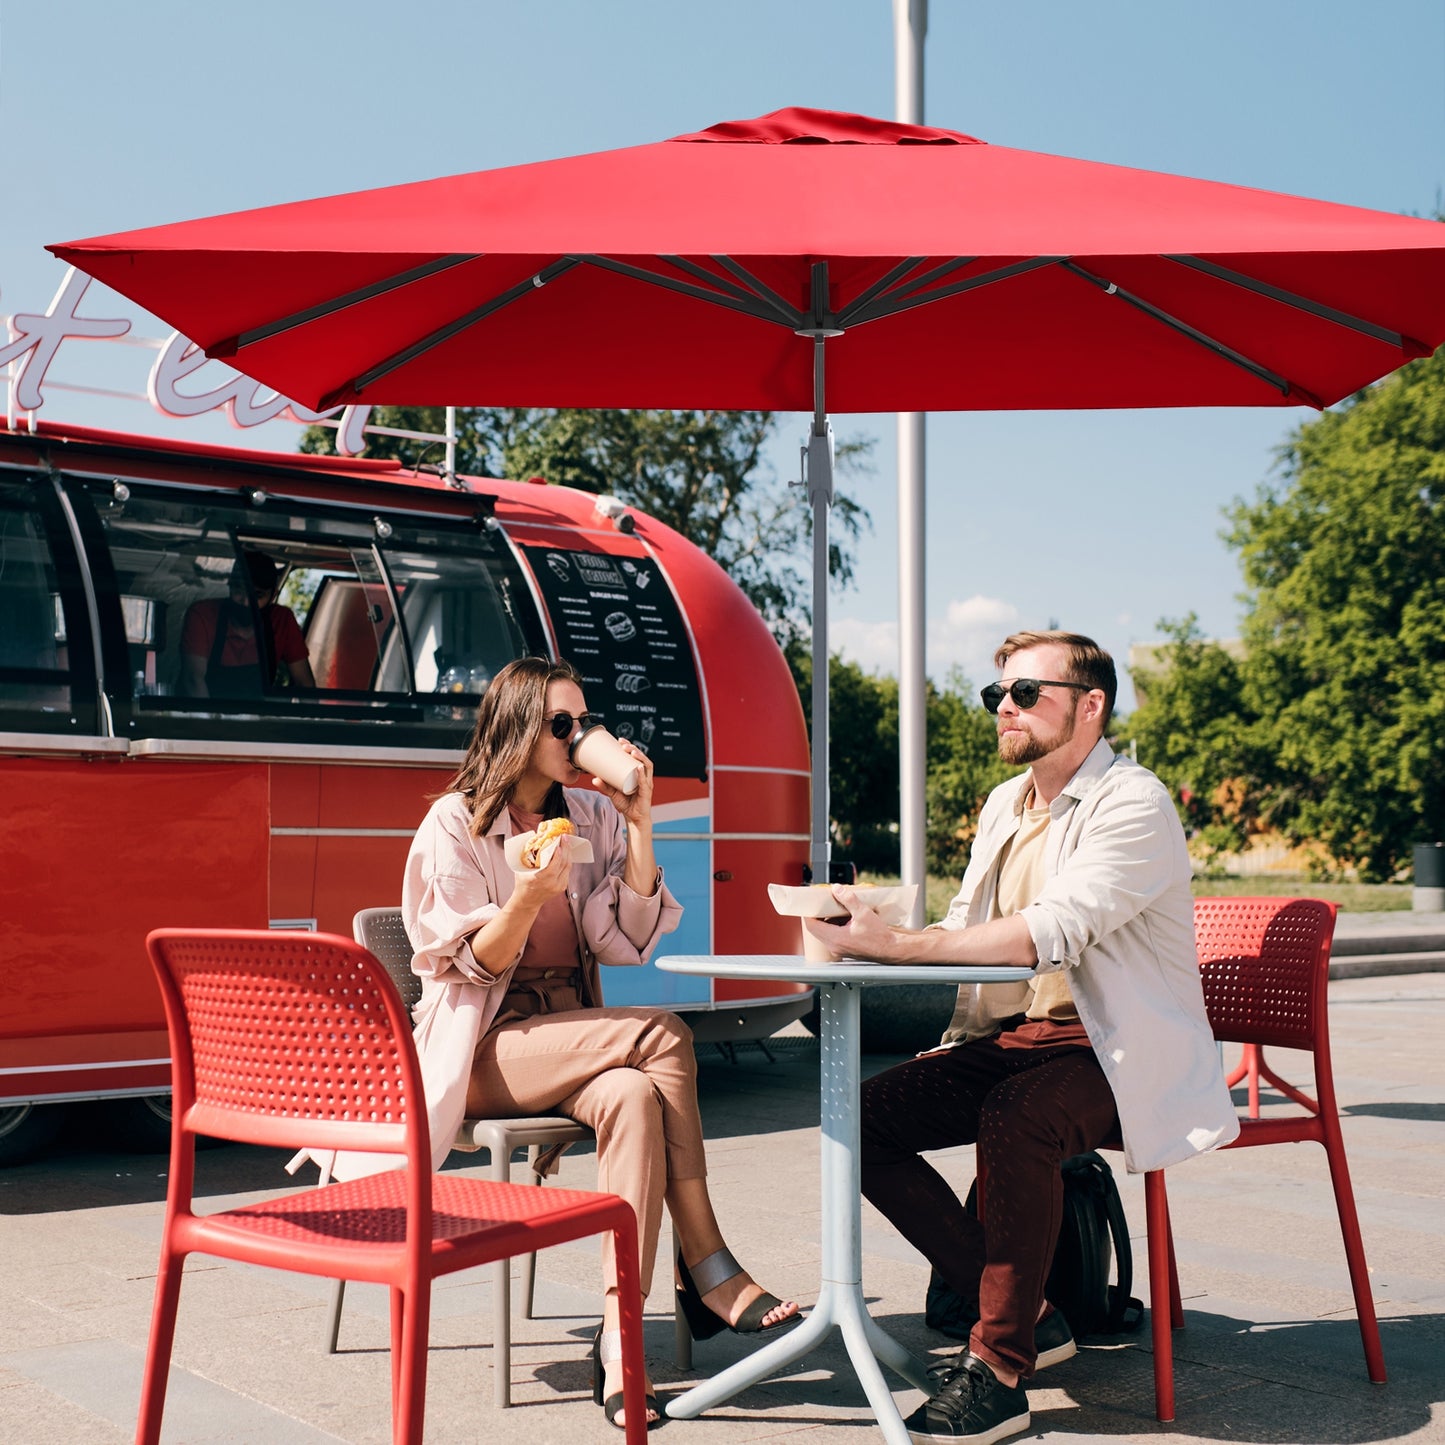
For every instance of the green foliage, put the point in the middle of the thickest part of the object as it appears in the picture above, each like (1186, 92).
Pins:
(1331, 726)
(703, 473)
(963, 768)
(862, 757)
(1193, 729)
(863, 797)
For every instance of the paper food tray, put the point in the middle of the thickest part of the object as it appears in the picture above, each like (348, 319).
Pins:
(892, 902)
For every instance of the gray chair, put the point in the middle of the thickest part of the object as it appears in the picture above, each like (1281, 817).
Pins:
(380, 932)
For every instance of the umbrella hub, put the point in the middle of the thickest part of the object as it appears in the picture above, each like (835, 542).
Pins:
(821, 320)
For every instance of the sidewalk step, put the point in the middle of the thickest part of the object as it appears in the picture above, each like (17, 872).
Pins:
(1375, 965)
(1348, 944)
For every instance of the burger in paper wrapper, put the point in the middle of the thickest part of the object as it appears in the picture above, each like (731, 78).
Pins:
(528, 851)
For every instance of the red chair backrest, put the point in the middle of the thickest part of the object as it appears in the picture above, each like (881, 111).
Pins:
(290, 1039)
(1265, 965)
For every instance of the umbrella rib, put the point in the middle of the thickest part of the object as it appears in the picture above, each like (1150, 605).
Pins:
(786, 315)
(762, 290)
(1301, 303)
(889, 307)
(232, 344)
(1193, 333)
(749, 305)
(353, 389)
(859, 307)
(883, 283)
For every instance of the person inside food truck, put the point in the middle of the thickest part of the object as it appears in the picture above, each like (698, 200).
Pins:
(218, 637)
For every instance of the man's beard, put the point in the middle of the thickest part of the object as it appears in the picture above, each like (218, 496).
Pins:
(1017, 748)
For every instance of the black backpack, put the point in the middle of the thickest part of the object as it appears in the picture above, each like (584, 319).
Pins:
(1092, 1235)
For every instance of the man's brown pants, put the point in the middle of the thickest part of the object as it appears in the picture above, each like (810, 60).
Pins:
(1029, 1097)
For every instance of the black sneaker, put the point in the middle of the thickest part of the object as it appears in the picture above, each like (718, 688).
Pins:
(971, 1406)
(1053, 1340)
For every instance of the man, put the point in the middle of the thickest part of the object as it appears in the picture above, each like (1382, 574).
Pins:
(1079, 876)
(218, 637)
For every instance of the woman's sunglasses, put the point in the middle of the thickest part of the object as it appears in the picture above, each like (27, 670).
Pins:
(562, 723)
(1025, 691)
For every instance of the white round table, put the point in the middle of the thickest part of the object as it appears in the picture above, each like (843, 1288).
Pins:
(840, 1301)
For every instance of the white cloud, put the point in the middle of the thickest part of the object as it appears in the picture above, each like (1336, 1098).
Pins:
(964, 637)
(967, 635)
(872, 645)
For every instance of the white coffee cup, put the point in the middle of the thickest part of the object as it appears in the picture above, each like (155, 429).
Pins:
(597, 752)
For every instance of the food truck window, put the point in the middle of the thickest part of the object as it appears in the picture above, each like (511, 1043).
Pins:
(466, 610)
(46, 670)
(325, 624)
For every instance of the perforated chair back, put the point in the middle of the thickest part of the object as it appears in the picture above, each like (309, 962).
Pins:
(381, 932)
(288, 1039)
(1265, 966)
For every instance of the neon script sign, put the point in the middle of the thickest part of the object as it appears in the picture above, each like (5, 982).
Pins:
(36, 339)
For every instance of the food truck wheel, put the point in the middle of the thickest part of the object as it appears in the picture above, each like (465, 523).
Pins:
(138, 1126)
(143, 1125)
(27, 1130)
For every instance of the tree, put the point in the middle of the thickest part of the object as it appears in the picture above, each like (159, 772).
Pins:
(863, 794)
(1332, 724)
(1346, 637)
(1193, 729)
(963, 768)
(704, 473)
(862, 757)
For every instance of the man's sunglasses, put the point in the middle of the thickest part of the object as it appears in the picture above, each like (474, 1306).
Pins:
(562, 723)
(1025, 691)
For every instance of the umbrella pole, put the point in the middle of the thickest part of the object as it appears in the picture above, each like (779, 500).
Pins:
(820, 495)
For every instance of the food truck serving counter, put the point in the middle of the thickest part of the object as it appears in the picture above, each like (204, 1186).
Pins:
(155, 773)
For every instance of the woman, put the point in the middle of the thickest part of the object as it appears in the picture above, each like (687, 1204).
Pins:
(511, 1020)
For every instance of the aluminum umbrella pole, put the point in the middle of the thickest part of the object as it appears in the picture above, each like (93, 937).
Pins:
(819, 467)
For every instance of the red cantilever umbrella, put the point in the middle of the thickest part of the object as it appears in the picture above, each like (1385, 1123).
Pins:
(934, 272)
(959, 276)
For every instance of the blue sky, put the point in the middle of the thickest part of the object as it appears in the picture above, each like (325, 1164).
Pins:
(117, 116)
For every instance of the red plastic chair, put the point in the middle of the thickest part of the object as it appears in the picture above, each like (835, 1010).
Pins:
(301, 1040)
(1265, 965)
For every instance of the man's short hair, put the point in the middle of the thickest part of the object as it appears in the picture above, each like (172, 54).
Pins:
(262, 572)
(1086, 662)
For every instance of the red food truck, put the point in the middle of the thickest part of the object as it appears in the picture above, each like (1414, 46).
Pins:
(132, 798)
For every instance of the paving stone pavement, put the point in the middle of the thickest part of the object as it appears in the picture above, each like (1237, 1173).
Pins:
(1270, 1350)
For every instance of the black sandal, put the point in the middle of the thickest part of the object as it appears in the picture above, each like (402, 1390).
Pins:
(704, 1277)
(606, 1349)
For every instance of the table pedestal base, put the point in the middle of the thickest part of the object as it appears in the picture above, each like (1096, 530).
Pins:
(840, 1300)
(839, 1306)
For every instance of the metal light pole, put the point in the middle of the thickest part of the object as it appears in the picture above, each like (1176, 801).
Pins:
(910, 27)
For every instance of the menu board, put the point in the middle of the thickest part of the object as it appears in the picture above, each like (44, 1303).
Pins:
(619, 625)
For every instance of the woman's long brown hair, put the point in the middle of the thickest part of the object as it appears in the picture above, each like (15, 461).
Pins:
(509, 723)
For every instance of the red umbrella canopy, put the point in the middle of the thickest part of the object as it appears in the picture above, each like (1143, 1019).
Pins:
(948, 274)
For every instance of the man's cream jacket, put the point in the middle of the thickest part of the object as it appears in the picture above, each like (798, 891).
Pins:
(1116, 911)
